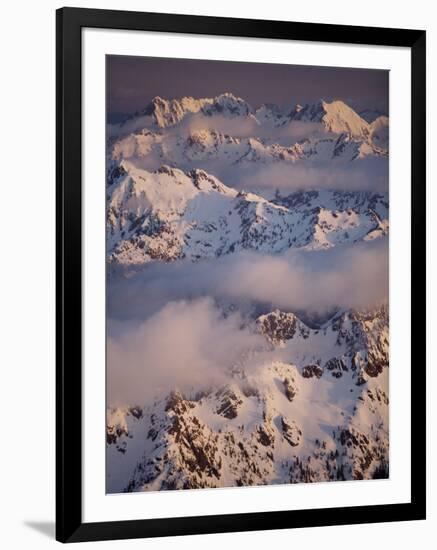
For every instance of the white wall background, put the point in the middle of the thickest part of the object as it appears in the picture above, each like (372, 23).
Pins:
(27, 229)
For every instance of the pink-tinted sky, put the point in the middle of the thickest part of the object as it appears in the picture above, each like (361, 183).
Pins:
(134, 81)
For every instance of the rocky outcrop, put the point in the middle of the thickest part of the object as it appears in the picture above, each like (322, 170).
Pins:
(310, 371)
(291, 432)
(336, 366)
(290, 388)
(229, 402)
(279, 326)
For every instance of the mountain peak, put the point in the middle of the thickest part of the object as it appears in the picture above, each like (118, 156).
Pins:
(227, 104)
(336, 116)
(228, 96)
(157, 100)
(280, 326)
(206, 182)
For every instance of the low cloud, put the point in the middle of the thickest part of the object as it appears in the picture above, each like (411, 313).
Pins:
(343, 277)
(247, 127)
(356, 277)
(367, 174)
(184, 345)
(168, 329)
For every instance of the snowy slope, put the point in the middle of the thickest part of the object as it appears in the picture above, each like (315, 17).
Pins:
(336, 117)
(315, 410)
(146, 149)
(169, 214)
(380, 132)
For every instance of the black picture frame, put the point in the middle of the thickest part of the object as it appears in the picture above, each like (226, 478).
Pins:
(69, 525)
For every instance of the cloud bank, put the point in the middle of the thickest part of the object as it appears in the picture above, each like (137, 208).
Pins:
(354, 276)
(168, 329)
(184, 345)
(367, 174)
(246, 127)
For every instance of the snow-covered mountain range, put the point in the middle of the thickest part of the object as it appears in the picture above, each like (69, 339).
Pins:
(310, 402)
(316, 412)
(334, 116)
(179, 132)
(169, 214)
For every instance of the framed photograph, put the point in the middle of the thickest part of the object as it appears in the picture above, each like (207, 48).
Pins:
(240, 274)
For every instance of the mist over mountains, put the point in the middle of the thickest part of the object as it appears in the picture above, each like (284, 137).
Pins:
(247, 256)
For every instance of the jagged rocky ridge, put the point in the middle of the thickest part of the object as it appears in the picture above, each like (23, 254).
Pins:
(205, 145)
(303, 418)
(161, 114)
(156, 156)
(191, 133)
(169, 214)
(164, 113)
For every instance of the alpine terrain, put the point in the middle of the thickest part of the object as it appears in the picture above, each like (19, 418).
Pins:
(248, 318)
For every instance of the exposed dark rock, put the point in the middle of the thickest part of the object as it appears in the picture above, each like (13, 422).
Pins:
(374, 366)
(279, 326)
(265, 437)
(113, 433)
(176, 403)
(381, 471)
(336, 367)
(136, 412)
(312, 370)
(291, 432)
(290, 389)
(229, 404)
(152, 434)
